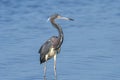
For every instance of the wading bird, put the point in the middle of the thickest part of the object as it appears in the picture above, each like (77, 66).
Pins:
(52, 46)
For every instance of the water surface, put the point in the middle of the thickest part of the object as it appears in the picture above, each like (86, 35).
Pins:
(91, 46)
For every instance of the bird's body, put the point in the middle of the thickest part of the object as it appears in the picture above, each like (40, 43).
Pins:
(48, 49)
(53, 45)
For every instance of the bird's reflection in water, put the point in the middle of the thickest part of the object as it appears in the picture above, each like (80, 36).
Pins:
(45, 78)
(55, 78)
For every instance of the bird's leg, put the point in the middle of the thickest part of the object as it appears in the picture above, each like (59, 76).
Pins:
(45, 69)
(55, 65)
(46, 57)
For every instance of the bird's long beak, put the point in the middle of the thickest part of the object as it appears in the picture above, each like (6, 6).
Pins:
(65, 18)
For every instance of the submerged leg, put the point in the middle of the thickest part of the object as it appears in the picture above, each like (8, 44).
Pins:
(55, 65)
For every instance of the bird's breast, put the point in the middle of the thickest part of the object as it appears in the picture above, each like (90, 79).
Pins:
(51, 53)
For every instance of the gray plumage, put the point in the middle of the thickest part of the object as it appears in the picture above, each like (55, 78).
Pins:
(47, 46)
(53, 45)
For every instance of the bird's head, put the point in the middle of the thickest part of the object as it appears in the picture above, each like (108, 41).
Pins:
(57, 16)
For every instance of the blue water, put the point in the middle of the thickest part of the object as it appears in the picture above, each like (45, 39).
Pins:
(91, 48)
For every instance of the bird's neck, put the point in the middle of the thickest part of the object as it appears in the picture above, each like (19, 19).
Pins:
(58, 28)
(61, 35)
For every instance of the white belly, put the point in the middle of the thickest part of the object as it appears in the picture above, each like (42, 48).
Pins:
(51, 53)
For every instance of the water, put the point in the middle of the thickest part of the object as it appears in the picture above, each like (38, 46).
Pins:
(91, 46)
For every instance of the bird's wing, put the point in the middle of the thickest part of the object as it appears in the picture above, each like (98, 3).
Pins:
(45, 49)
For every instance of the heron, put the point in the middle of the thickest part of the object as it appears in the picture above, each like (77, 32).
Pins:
(52, 46)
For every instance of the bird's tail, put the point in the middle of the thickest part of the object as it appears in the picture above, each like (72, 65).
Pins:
(42, 60)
